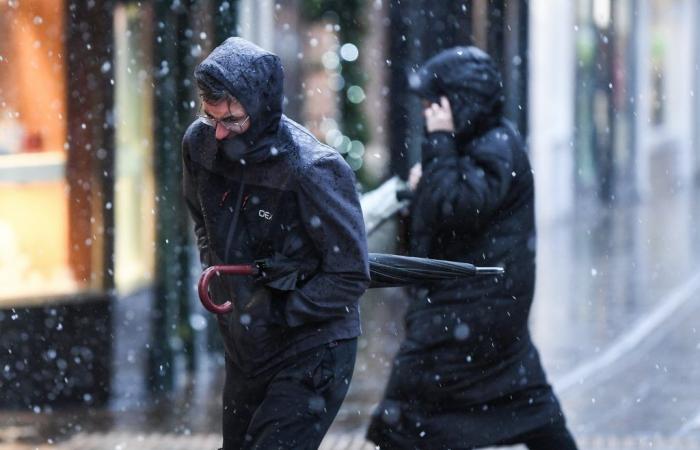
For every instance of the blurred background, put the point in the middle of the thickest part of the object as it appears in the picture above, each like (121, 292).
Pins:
(103, 343)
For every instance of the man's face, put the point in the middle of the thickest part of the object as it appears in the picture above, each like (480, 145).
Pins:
(230, 118)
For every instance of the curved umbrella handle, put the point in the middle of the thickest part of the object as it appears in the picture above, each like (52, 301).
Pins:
(205, 278)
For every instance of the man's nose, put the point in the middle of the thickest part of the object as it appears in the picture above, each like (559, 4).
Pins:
(221, 132)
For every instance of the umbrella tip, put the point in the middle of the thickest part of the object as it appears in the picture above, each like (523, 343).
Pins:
(490, 271)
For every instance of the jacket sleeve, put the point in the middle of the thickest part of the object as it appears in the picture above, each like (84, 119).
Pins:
(189, 190)
(462, 189)
(332, 217)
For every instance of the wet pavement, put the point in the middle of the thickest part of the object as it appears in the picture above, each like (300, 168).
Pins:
(616, 321)
(615, 318)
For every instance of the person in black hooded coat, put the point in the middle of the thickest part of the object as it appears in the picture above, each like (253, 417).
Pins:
(467, 374)
(260, 187)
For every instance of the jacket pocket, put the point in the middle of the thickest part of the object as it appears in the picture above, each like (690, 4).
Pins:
(324, 374)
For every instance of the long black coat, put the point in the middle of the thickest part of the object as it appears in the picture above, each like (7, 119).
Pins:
(274, 192)
(467, 373)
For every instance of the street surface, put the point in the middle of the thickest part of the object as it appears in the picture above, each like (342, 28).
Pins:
(616, 321)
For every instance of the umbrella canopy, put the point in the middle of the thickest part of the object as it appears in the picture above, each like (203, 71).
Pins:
(385, 271)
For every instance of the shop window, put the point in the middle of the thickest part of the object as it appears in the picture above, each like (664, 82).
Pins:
(33, 190)
(55, 153)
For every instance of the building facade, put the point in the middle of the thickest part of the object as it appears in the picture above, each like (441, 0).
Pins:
(614, 109)
(94, 99)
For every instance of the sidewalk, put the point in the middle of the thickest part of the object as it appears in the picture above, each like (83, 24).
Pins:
(346, 441)
(615, 319)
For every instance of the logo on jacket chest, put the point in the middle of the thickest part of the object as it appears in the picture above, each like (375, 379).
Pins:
(255, 200)
(267, 215)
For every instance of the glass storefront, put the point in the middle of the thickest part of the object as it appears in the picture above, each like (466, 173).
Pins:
(56, 214)
(80, 196)
(34, 260)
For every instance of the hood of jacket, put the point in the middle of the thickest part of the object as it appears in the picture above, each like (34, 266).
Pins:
(256, 79)
(470, 80)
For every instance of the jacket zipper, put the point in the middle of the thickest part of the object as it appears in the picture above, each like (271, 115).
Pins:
(236, 214)
(223, 198)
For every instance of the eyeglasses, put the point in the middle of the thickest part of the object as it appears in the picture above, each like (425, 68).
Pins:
(227, 122)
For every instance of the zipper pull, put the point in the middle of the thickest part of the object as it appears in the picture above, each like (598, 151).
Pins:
(224, 197)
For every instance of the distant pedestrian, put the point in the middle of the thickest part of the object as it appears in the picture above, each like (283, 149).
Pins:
(467, 374)
(258, 185)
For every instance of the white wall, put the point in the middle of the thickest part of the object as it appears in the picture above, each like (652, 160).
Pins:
(551, 96)
(695, 145)
(257, 22)
(642, 98)
(680, 66)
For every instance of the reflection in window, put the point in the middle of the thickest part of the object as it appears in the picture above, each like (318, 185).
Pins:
(134, 189)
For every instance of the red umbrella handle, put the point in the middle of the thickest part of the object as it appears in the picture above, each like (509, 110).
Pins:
(203, 285)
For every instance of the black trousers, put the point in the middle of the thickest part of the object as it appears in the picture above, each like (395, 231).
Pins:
(290, 406)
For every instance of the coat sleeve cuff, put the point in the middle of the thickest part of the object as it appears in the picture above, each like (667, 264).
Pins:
(437, 144)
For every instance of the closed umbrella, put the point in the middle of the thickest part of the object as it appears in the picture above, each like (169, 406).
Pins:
(385, 271)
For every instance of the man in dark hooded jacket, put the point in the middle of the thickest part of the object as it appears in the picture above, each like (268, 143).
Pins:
(467, 374)
(261, 187)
